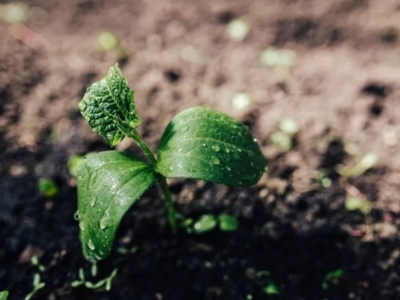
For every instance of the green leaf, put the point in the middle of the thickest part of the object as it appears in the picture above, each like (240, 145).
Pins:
(108, 184)
(227, 222)
(204, 224)
(47, 187)
(205, 144)
(3, 295)
(109, 108)
(271, 289)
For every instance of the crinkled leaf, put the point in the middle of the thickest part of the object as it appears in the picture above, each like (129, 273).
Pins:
(109, 108)
(108, 184)
(205, 144)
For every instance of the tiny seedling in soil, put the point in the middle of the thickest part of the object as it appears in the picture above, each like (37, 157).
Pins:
(198, 143)
(37, 285)
(331, 277)
(47, 187)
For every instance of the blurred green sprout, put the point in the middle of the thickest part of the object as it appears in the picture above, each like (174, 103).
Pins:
(109, 42)
(356, 203)
(283, 138)
(47, 187)
(238, 30)
(367, 162)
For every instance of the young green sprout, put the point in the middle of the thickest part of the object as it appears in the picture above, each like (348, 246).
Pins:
(198, 143)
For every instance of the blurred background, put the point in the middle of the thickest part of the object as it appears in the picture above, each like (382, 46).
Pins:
(316, 81)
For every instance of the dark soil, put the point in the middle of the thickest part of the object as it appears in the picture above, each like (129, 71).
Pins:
(292, 231)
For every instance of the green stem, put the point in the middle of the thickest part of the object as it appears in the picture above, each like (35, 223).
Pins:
(162, 183)
(161, 180)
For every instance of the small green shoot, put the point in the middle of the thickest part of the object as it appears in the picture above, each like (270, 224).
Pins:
(198, 143)
(271, 289)
(106, 282)
(289, 126)
(227, 222)
(3, 295)
(36, 263)
(357, 203)
(367, 162)
(241, 101)
(47, 187)
(331, 276)
(204, 224)
(283, 138)
(109, 42)
(73, 163)
(238, 30)
(207, 223)
(37, 285)
(281, 61)
(273, 57)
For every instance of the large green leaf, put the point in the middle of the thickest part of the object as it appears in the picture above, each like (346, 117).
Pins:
(109, 108)
(205, 144)
(108, 184)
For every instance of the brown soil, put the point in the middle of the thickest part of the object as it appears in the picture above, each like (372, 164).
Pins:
(344, 89)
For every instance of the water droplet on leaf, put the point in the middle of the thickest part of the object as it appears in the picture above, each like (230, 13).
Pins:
(82, 106)
(228, 168)
(185, 128)
(76, 215)
(82, 225)
(216, 148)
(93, 201)
(91, 245)
(105, 220)
(215, 161)
(204, 145)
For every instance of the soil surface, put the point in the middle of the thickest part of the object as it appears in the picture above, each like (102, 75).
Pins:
(344, 93)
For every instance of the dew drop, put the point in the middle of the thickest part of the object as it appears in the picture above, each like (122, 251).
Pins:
(105, 220)
(171, 168)
(82, 106)
(204, 145)
(227, 150)
(91, 245)
(93, 201)
(215, 161)
(82, 225)
(240, 150)
(184, 128)
(76, 216)
(228, 169)
(216, 148)
(255, 140)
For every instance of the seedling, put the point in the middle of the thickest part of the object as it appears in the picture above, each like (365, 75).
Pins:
(37, 285)
(47, 187)
(331, 277)
(198, 143)
(367, 162)
(271, 289)
(209, 222)
(109, 42)
(357, 203)
(106, 282)
(238, 30)
(283, 138)
(36, 263)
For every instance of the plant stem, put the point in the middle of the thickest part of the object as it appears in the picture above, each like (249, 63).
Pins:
(162, 183)
(161, 180)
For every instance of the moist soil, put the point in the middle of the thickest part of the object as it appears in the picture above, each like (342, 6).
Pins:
(343, 93)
